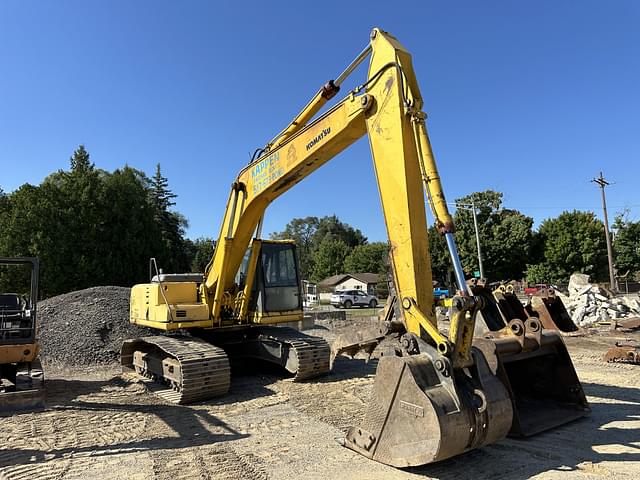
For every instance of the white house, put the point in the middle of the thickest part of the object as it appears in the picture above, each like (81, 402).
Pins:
(348, 281)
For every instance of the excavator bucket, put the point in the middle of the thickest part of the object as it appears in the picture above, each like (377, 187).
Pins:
(492, 316)
(363, 340)
(624, 352)
(521, 382)
(509, 303)
(22, 401)
(553, 315)
(532, 359)
(533, 362)
(423, 411)
(535, 367)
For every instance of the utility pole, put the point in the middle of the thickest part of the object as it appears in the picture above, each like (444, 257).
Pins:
(603, 183)
(475, 225)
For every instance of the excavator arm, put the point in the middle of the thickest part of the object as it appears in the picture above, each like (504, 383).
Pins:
(387, 107)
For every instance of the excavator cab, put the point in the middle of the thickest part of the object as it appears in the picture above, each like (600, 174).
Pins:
(277, 285)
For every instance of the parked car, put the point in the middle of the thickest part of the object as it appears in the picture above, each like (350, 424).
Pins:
(439, 292)
(353, 298)
(533, 289)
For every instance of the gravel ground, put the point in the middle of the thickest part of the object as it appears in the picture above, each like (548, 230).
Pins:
(86, 327)
(102, 424)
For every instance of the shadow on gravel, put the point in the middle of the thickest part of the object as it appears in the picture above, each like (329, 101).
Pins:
(345, 368)
(577, 446)
(190, 426)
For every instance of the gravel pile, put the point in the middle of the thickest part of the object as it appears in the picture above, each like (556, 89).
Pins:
(86, 327)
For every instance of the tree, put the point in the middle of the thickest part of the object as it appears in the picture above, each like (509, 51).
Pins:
(310, 232)
(539, 273)
(129, 234)
(510, 248)
(441, 267)
(626, 244)
(4, 204)
(329, 258)
(506, 236)
(202, 252)
(302, 231)
(173, 254)
(331, 227)
(572, 242)
(80, 161)
(88, 227)
(33, 226)
(161, 196)
(370, 257)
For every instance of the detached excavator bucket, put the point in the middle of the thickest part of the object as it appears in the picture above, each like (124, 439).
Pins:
(532, 359)
(509, 303)
(548, 307)
(624, 352)
(535, 367)
(423, 411)
(22, 401)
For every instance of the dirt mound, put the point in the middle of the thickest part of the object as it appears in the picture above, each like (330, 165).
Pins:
(86, 327)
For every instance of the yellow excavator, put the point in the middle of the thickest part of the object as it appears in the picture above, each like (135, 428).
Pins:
(436, 395)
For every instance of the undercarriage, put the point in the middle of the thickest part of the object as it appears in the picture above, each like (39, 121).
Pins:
(187, 369)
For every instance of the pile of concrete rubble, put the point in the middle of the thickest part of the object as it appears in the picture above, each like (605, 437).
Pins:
(589, 304)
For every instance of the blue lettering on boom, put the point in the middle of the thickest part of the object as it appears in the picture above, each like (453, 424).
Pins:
(263, 165)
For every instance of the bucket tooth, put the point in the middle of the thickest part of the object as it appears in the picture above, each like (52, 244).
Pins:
(352, 342)
(422, 411)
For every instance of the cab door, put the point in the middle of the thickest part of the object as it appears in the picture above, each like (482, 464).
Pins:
(278, 279)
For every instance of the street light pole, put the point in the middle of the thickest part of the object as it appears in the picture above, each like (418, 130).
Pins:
(475, 225)
(472, 206)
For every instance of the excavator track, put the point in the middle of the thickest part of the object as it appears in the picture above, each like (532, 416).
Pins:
(184, 369)
(311, 355)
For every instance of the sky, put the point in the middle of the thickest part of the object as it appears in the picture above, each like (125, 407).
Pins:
(532, 99)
